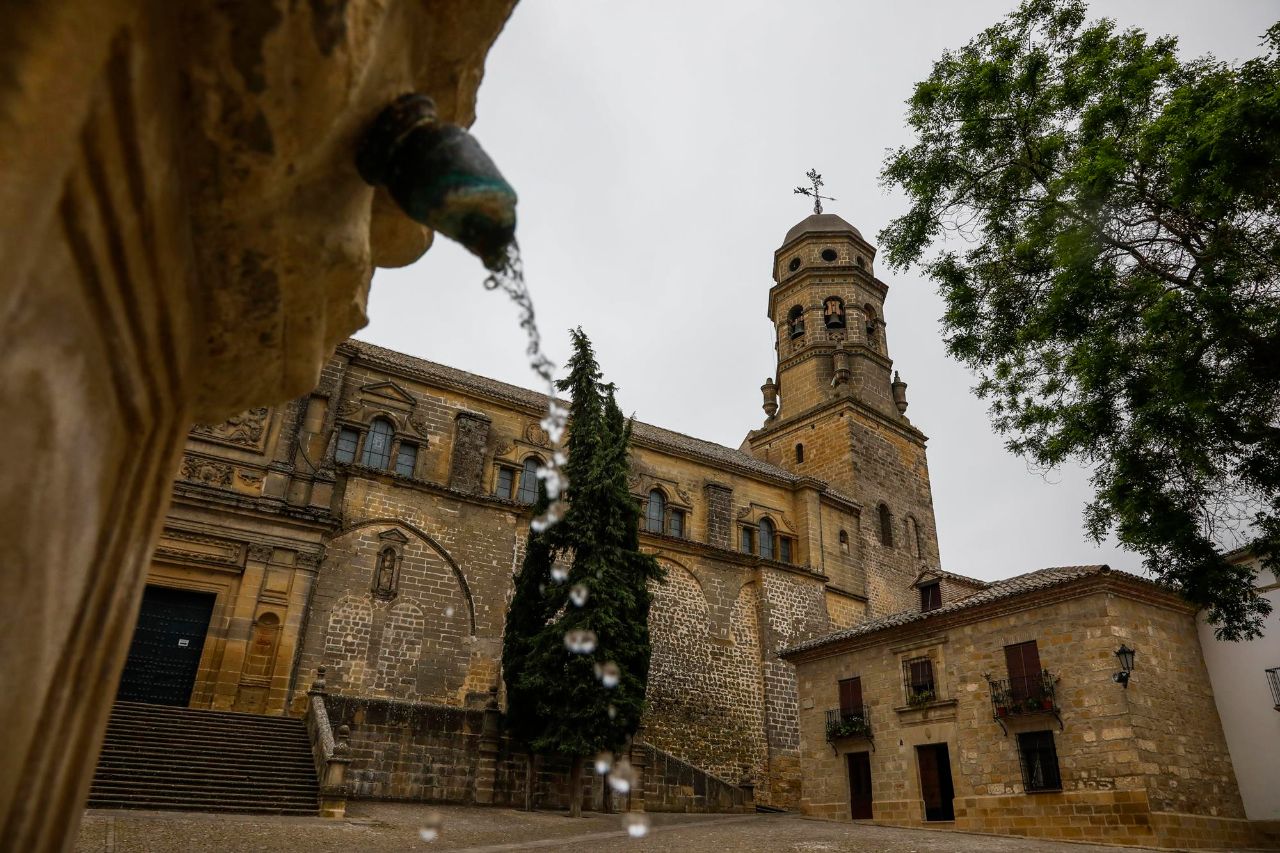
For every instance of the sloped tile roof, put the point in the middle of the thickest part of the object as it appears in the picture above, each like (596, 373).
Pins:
(1007, 588)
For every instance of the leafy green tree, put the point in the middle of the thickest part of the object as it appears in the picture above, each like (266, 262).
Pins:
(576, 646)
(1119, 293)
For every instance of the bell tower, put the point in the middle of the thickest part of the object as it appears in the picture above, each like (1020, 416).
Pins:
(835, 409)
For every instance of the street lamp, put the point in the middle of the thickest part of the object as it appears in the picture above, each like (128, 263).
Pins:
(1125, 655)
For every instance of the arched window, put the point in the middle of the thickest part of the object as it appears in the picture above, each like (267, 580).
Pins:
(384, 574)
(766, 538)
(833, 312)
(872, 324)
(529, 481)
(799, 453)
(795, 320)
(377, 444)
(844, 542)
(912, 531)
(655, 511)
(886, 526)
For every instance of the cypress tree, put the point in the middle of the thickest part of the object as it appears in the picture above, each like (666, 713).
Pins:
(576, 651)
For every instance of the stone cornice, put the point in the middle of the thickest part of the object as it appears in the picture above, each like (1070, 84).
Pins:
(200, 496)
(660, 544)
(1136, 589)
(772, 430)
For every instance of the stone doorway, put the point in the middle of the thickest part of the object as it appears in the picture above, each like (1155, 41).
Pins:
(935, 781)
(860, 785)
(164, 656)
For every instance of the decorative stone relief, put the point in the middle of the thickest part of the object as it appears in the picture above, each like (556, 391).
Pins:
(206, 471)
(250, 477)
(535, 434)
(261, 553)
(247, 429)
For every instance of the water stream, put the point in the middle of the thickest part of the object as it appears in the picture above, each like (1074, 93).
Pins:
(509, 278)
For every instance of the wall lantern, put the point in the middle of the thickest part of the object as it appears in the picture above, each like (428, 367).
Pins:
(1125, 655)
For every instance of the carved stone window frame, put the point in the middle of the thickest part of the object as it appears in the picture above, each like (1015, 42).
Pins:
(749, 518)
(676, 500)
(362, 421)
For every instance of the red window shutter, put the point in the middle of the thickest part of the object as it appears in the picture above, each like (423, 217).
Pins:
(850, 695)
(1023, 660)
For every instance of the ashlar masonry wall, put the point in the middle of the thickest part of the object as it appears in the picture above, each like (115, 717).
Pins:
(1146, 765)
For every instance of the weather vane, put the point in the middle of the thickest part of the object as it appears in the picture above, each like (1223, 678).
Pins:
(816, 180)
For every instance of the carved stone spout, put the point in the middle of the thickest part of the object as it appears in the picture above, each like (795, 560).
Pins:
(440, 176)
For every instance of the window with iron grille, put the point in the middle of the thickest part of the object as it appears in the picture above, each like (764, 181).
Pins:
(529, 480)
(930, 597)
(347, 441)
(917, 673)
(1273, 678)
(506, 483)
(676, 523)
(1039, 759)
(654, 511)
(377, 444)
(406, 459)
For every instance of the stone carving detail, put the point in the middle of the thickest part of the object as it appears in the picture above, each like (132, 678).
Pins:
(308, 560)
(206, 471)
(247, 429)
(250, 477)
(420, 425)
(349, 407)
(535, 434)
(260, 553)
(684, 496)
(184, 546)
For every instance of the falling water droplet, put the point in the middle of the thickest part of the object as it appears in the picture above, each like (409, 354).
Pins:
(580, 641)
(559, 573)
(609, 674)
(578, 595)
(621, 776)
(636, 823)
(432, 823)
(448, 612)
(613, 712)
(604, 761)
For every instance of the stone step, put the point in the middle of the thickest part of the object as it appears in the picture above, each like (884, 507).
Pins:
(196, 760)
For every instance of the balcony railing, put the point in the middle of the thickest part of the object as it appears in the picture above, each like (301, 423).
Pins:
(1273, 678)
(1023, 695)
(850, 723)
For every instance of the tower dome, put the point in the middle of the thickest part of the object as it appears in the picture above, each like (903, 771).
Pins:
(820, 223)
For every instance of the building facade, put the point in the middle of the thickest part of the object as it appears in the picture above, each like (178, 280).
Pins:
(1002, 708)
(1246, 687)
(374, 527)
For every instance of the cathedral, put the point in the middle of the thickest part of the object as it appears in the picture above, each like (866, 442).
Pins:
(374, 526)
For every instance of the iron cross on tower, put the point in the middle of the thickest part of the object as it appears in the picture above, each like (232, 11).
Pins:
(816, 180)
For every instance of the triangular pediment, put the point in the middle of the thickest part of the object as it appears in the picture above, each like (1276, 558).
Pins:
(393, 535)
(387, 391)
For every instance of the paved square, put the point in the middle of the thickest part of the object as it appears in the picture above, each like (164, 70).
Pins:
(395, 827)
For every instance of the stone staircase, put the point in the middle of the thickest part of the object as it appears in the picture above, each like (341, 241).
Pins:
(162, 757)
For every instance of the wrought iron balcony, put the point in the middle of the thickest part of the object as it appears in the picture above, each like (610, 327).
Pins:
(1023, 695)
(853, 723)
(1273, 678)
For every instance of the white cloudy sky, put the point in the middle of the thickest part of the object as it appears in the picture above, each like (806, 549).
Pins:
(655, 145)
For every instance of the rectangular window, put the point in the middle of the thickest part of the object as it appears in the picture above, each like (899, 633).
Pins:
(676, 523)
(1023, 661)
(506, 482)
(347, 441)
(850, 690)
(1039, 760)
(930, 597)
(784, 549)
(406, 459)
(918, 674)
(746, 543)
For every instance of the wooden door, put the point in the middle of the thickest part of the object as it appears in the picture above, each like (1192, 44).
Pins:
(850, 695)
(1023, 661)
(165, 653)
(860, 785)
(935, 781)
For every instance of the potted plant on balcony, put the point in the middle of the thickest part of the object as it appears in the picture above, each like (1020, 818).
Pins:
(920, 697)
(1002, 710)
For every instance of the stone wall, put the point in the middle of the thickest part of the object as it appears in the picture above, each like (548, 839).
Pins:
(431, 753)
(1149, 756)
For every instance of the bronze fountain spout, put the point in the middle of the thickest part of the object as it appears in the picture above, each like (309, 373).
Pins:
(440, 176)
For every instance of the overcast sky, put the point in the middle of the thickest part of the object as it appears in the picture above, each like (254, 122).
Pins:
(655, 145)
